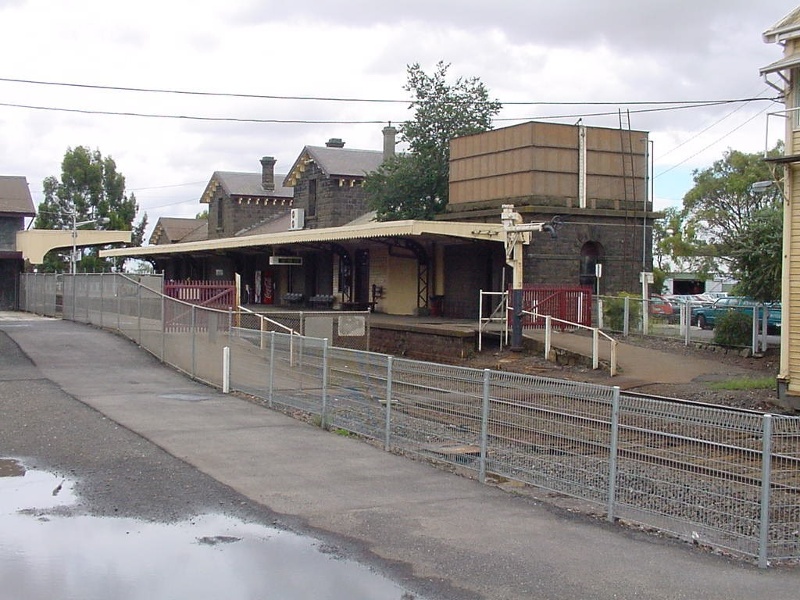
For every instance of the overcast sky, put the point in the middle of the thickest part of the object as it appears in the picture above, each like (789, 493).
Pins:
(525, 51)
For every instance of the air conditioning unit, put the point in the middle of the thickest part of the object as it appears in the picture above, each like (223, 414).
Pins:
(296, 261)
(297, 219)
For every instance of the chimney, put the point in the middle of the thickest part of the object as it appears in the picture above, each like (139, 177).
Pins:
(389, 134)
(268, 173)
(335, 143)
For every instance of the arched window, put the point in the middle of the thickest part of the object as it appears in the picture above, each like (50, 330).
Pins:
(591, 256)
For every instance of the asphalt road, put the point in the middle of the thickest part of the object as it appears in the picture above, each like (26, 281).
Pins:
(141, 440)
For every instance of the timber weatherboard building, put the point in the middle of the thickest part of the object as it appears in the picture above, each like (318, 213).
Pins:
(784, 74)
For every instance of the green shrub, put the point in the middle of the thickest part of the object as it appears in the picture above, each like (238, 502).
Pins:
(614, 311)
(733, 329)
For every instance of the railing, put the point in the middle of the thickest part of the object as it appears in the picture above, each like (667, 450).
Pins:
(596, 333)
(723, 478)
(497, 316)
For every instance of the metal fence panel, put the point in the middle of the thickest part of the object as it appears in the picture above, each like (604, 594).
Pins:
(722, 477)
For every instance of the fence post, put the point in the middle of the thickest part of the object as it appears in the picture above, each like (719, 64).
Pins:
(548, 336)
(754, 330)
(163, 326)
(766, 481)
(138, 313)
(686, 322)
(387, 427)
(485, 426)
(102, 297)
(261, 332)
(599, 313)
(612, 454)
(271, 383)
(595, 348)
(230, 324)
(194, 335)
(226, 370)
(74, 279)
(626, 327)
(300, 360)
(118, 281)
(325, 383)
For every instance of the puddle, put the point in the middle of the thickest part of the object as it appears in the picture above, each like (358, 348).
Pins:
(46, 555)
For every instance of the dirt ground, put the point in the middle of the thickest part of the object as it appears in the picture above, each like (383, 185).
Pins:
(699, 390)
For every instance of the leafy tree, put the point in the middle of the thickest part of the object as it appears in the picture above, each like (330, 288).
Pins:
(722, 201)
(757, 259)
(415, 184)
(91, 189)
(677, 244)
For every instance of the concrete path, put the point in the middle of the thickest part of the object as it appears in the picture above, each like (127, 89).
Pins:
(637, 365)
(487, 542)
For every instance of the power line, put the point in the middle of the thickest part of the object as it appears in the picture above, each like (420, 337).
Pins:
(365, 100)
(348, 122)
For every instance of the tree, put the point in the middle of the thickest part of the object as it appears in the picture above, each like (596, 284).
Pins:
(677, 244)
(90, 189)
(757, 260)
(414, 185)
(722, 201)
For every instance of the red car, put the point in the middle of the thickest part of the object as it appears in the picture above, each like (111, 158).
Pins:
(660, 308)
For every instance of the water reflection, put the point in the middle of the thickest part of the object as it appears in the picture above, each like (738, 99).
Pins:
(45, 555)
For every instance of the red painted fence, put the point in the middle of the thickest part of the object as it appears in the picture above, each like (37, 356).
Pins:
(213, 294)
(568, 303)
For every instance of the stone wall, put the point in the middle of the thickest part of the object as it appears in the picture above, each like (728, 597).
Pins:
(336, 204)
(422, 343)
(237, 215)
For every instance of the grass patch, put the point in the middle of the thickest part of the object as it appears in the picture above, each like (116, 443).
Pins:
(760, 383)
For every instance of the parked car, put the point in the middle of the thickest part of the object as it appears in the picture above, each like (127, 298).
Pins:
(694, 301)
(705, 316)
(660, 308)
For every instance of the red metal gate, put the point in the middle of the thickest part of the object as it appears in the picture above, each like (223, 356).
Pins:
(567, 303)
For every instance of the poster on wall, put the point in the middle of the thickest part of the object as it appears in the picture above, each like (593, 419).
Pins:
(257, 287)
(267, 288)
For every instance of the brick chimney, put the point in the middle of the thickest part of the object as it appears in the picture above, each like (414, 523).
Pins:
(335, 143)
(389, 135)
(268, 173)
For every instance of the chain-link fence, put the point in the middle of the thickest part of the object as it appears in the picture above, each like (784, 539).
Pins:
(628, 315)
(724, 478)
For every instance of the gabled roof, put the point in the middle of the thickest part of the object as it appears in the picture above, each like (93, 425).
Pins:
(15, 197)
(245, 185)
(787, 28)
(171, 230)
(274, 224)
(335, 162)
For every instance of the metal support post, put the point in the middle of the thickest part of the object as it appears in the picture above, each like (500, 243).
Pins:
(325, 383)
(766, 482)
(612, 455)
(388, 425)
(271, 371)
(516, 323)
(194, 335)
(484, 426)
(226, 370)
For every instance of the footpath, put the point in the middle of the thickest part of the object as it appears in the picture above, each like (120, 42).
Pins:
(485, 542)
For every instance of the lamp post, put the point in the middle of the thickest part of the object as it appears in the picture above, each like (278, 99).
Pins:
(75, 225)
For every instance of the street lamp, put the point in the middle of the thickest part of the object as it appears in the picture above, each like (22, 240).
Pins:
(75, 225)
